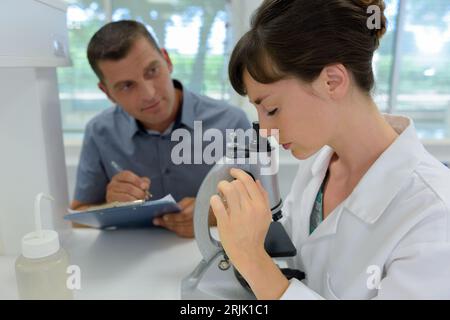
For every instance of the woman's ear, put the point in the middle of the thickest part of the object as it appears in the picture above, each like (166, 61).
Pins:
(335, 79)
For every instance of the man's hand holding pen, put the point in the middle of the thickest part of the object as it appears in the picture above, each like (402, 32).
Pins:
(127, 186)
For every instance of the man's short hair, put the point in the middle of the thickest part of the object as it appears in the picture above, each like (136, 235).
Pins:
(114, 40)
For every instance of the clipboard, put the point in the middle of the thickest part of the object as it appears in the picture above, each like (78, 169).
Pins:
(136, 214)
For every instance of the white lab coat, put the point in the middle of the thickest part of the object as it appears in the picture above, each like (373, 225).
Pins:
(393, 227)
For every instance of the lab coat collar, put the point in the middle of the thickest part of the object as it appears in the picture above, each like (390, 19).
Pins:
(383, 180)
(320, 165)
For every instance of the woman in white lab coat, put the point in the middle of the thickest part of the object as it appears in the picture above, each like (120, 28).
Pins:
(369, 208)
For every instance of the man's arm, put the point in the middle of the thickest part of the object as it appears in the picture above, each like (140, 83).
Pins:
(91, 180)
(93, 186)
(125, 186)
(80, 206)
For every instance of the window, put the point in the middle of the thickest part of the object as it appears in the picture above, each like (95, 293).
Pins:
(412, 64)
(194, 32)
(80, 98)
(424, 81)
(383, 58)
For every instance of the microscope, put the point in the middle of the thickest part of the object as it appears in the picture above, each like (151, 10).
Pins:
(215, 277)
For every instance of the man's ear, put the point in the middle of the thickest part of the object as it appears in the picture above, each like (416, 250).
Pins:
(103, 87)
(166, 57)
(335, 80)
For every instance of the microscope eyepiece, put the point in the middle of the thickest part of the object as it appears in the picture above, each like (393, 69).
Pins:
(258, 140)
(277, 215)
(256, 135)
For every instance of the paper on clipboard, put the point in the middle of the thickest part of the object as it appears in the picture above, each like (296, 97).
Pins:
(135, 214)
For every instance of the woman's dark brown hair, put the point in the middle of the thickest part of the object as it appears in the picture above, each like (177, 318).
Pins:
(301, 37)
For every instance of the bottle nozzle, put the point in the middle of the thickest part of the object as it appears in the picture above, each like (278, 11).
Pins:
(37, 212)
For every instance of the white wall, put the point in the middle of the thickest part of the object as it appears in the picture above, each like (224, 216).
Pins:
(33, 44)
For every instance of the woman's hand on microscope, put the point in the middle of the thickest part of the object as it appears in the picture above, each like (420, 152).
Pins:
(243, 219)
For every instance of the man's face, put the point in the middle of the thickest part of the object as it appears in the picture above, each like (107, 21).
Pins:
(141, 84)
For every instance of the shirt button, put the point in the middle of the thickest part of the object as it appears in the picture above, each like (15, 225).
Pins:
(167, 171)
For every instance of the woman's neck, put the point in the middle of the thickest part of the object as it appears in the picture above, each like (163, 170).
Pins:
(362, 136)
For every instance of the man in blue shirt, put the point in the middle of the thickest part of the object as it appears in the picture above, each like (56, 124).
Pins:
(127, 149)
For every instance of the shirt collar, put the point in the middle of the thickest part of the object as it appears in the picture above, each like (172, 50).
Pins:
(186, 115)
(167, 132)
(386, 176)
(188, 105)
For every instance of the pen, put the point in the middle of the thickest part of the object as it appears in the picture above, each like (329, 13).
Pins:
(118, 168)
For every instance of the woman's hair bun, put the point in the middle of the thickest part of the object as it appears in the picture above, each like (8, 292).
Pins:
(365, 4)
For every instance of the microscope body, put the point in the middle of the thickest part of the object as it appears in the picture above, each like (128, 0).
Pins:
(215, 278)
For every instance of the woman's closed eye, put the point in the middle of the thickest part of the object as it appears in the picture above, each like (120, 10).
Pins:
(271, 113)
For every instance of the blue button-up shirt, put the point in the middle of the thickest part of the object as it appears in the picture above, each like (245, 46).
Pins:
(114, 135)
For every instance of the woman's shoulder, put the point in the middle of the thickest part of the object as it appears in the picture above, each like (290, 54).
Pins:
(434, 177)
(423, 204)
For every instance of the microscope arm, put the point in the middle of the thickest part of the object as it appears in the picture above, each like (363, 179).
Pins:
(208, 246)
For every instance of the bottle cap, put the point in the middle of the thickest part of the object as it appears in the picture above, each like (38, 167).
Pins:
(40, 243)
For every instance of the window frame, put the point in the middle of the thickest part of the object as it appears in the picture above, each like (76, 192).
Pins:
(240, 12)
(440, 148)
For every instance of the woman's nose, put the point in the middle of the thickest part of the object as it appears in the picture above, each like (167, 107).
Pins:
(265, 130)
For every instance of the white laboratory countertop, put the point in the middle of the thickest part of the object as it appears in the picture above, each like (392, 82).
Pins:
(121, 264)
